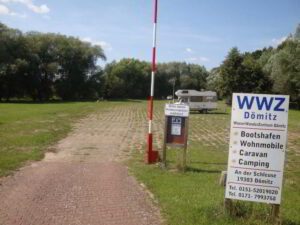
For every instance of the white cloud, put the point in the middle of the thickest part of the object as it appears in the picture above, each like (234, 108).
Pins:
(39, 9)
(277, 41)
(42, 9)
(192, 59)
(195, 58)
(86, 39)
(204, 59)
(4, 10)
(198, 59)
(105, 45)
(189, 50)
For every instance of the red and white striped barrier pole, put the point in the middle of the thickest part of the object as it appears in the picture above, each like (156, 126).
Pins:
(152, 156)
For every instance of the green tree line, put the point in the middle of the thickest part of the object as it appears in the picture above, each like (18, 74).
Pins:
(130, 78)
(53, 66)
(270, 70)
(46, 66)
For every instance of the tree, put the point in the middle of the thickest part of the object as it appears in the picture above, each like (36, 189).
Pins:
(214, 81)
(12, 62)
(255, 80)
(297, 33)
(42, 58)
(242, 73)
(127, 79)
(231, 73)
(198, 75)
(185, 76)
(43, 66)
(77, 62)
(284, 69)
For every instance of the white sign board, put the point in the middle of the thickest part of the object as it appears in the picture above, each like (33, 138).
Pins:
(181, 110)
(257, 148)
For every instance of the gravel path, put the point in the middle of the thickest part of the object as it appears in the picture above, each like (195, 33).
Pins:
(84, 182)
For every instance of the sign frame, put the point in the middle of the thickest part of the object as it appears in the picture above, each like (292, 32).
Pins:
(176, 112)
(258, 142)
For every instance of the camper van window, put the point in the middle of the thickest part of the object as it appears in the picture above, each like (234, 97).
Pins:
(184, 100)
(196, 99)
(185, 92)
(210, 99)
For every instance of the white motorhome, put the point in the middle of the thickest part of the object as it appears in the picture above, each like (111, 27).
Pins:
(201, 101)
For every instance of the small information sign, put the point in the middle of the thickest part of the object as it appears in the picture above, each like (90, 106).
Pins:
(176, 129)
(181, 110)
(176, 126)
(257, 148)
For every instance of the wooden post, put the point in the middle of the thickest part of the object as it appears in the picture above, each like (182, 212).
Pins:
(228, 203)
(184, 159)
(185, 144)
(275, 214)
(175, 137)
(181, 161)
(223, 178)
(164, 153)
(228, 206)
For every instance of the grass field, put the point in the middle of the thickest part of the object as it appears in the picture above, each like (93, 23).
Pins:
(27, 130)
(190, 198)
(195, 197)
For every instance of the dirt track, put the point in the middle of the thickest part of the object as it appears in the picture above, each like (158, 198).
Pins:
(84, 182)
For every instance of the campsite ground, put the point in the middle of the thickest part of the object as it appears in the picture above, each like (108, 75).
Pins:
(29, 130)
(195, 197)
(81, 179)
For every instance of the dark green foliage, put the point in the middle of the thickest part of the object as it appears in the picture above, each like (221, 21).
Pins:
(297, 33)
(232, 72)
(283, 68)
(126, 79)
(130, 78)
(12, 63)
(44, 66)
(187, 76)
(270, 70)
(242, 73)
(214, 81)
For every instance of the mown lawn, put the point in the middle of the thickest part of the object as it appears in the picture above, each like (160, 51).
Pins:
(27, 130)
(195, 197)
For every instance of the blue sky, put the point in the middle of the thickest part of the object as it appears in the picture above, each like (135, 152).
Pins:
(194, 31)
